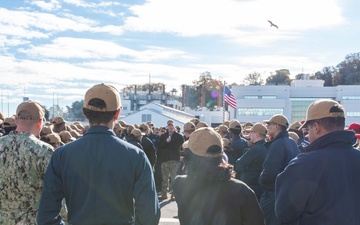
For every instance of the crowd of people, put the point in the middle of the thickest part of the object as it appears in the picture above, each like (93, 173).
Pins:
(111, 172)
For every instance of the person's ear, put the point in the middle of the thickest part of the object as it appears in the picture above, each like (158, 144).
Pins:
(39, 123)
(116, 116)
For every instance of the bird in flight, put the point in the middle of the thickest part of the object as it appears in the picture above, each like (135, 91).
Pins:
(273, 25)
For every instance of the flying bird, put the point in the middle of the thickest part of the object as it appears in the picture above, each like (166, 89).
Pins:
(273, 25)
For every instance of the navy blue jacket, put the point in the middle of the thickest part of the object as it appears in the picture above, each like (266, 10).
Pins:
(281, 150)
(104, 180)
(322, 185)
(249, 166)
(239, 145)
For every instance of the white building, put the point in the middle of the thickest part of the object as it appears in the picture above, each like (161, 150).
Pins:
(259, 103)
(158, 115)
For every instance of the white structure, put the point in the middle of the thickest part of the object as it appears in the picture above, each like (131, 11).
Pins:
(158, 115)
(259, 103)
(212, 118)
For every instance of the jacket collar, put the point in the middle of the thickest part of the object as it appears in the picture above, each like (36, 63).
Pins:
(343, 138)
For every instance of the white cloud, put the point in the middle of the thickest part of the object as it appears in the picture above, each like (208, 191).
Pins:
(232, 18)
(48, 6)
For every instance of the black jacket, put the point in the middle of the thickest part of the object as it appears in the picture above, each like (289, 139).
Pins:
(170, 150)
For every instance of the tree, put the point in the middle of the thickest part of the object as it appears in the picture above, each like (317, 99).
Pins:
(349, 69)
(280, 77)
(144, 87)
(75, 111)
(254, 79)
(327, 74)
(209, 90)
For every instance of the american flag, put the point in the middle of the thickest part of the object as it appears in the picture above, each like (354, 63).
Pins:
(229, 98)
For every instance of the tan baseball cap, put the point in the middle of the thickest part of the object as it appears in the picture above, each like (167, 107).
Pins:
(195, 120)
(323, 108)
(144, 127)
(117, 126)
(34, 108)
(58, 120)
(294, 136)
(278, 119)
(123, 123)
(189, 126)
(235, 124)
(65, 135)
(54, 137)
(222, 129)
(248, 124)
(226, 123)
(170, 122)
(201, 124)
(206, 142)
(258, 128)
(9, 122)
(136, 132)
(45, 130)
(107, 93)
(295, 126)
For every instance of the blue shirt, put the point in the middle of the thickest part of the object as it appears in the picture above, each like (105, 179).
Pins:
(104, 181)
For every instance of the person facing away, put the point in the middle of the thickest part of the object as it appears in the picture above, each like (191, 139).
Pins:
(280, 150)
(321, 185)
(208, 194)
(23, 162)
(104, 179)
(238, 144)
(249, 166)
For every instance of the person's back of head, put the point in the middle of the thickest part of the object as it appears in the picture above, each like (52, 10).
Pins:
(205, 160)
(29, 117)
(101, 104)
(234, 128)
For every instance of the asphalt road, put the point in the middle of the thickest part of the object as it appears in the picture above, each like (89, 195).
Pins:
(168, 212)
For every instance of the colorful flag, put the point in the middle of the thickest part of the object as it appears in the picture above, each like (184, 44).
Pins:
(229, 98)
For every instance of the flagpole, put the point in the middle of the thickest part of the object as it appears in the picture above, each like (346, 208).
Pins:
(223, 101)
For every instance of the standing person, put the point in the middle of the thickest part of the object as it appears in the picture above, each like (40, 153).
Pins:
(281, 149)
(104, 179)
(169, 155)
(208, 194)
(23, 161)
(238, 144)
(321, 186)
(148, 145)
(9, 124)
(59, 124)
(249, 166)
(135, 138)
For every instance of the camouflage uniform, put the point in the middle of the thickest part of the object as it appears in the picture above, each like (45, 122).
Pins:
(23, 162)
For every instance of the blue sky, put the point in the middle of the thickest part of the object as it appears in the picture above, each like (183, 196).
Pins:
(53, 51)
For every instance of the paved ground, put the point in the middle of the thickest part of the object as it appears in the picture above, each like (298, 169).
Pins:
(168, 212)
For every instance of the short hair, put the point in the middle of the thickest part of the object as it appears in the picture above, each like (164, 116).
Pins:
(97, 117)
(330, 123)
(235, 131)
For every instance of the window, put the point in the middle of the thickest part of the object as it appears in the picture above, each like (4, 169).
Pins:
(145, 118)
(352, 114)
(351, 97)
(259, 111)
